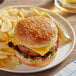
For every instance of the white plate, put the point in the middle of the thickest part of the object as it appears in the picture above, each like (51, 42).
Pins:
(62, 53)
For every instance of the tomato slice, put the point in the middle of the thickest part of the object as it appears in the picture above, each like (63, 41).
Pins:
(32, 54)
(57, 44)
(23, 49)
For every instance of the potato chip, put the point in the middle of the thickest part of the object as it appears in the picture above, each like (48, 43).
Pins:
(43, 14)
(2, 65)
(9, 18)
(63, 37)
(0, 22)
(3, 45)
(3, 36)
(9, 62)
(12, 11)
(24, 12)
(34, 12)
(13, 19)
(21, 14)
(8, 51)
(3, 56)
(6, 25)
(4, 13)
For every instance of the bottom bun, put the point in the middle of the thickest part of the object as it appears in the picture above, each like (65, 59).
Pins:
(37, 62)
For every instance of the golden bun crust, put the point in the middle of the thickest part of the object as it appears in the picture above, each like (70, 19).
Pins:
(38, 63)
(35, 31)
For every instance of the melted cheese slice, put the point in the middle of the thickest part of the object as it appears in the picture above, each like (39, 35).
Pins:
(42, 51)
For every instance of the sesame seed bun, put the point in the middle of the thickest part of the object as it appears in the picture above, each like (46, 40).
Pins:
(36, 32)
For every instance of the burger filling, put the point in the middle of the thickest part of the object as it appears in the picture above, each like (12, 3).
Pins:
(28, 53)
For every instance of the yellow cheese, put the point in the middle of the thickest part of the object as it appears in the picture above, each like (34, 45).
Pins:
(42, 51)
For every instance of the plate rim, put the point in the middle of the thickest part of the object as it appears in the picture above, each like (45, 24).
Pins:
(34, 71)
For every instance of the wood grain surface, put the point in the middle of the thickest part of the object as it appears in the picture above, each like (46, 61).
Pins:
(49, 4)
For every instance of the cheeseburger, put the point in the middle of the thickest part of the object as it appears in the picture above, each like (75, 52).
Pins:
(38, 41)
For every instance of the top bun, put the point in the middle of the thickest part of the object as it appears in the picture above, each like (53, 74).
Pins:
(36, 32)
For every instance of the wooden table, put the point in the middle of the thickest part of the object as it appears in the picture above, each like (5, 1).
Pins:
(49, 4)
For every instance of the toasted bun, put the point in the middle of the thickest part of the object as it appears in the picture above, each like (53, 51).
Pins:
(36, 32)
(37, 63)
